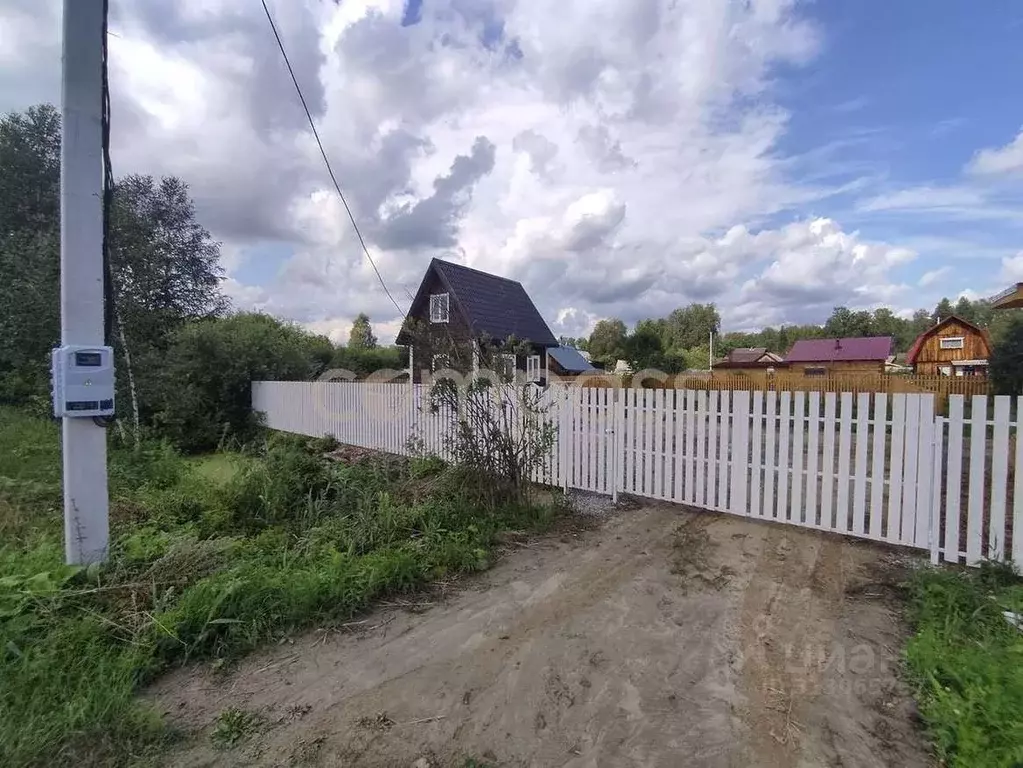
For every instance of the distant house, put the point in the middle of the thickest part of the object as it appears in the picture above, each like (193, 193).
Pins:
(458, 309)
(568, 361)
(822, 357)
(1010, 298)
(952, 347)
(748, 361)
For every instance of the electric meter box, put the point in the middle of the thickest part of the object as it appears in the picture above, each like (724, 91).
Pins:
(83, 381)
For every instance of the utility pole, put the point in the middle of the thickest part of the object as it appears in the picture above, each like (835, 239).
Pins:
(84, 443)
(710, 354)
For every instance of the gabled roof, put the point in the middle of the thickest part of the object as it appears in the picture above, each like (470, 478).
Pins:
(570, 359)
(749, 357)
(861, 348)
(914, 350)
(491, 305)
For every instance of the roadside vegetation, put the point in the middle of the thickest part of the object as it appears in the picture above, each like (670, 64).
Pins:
(966, 660)
(210, 557)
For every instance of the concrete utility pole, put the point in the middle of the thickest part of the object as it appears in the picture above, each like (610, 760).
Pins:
(86, 505)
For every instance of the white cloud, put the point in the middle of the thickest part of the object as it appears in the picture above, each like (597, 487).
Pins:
(924, 198)
(933, 276)
(1000, 160)
(617, 161)
(1012, 268)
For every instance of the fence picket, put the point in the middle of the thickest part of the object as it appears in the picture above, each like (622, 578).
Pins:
(828, 463)
(756, 486)
(770, 463)
(784, 457)
(877, 473)
(725, 437)
(999, 478)
(677, 464)
(701, 444)
(1017, 488)
(924, 476)
(812, 457)
(975, 505)
(690, 451)
(739, 454)
(794, 512)
(909, 489)
(894, 521)
(713, 466)
(860, 472)
(658, 452)
(954, 478)
(842, 511)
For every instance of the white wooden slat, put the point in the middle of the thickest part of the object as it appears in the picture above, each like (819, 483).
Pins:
(637, 433)
(701, 445)
(861, 470)
(770, 462)
(690, 449)
(954, 478)
(910, 491)
(628, 428)
(842, 521)
(756, 470)
(658, 452)
(828, 462)
(584, 438)
(784, 456)
(794, 513)
(924, 473)
(678, 446)
(713, 415)
(724, 440)
(813, 427)
(878, 462)
(897, 455)
(596, 439)
(606, 441)
(999, 478)
(975, 505)
(739, 454)
(647, 396)
(1017, 488)
(713, 465)
(591, 438)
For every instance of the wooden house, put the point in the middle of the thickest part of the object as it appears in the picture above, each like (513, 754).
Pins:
(461, 316)
(750, 361)
(569, 362)
(952, 347)
(827, 357)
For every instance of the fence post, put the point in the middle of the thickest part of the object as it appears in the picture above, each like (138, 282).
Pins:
(616, 440)
(564, 435)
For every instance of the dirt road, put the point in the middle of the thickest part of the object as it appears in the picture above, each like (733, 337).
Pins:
(659, 637)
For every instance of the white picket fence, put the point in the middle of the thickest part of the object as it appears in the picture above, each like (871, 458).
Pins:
(880, 467)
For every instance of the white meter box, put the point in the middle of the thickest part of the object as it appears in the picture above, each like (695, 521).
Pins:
(83, 381)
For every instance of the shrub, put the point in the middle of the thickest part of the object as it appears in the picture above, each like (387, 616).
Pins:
(1006, 364)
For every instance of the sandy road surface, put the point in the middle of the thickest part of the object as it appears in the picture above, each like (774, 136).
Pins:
(660, 637)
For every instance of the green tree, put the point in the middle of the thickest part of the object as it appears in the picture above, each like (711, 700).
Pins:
(943, 310)
(643, 348)
(1006, 364)
(361, 336)
(209, 369)
(607, 341)
(691, 326)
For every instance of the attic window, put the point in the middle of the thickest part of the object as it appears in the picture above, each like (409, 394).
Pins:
(951, 342)
(438, 308)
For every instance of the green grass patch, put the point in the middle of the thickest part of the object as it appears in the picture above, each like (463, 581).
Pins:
(210, 558)
(967, 664)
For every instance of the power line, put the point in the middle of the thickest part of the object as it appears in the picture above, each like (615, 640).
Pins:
(326, 162)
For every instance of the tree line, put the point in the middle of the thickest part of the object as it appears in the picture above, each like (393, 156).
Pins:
(681, 341)
(184, 360)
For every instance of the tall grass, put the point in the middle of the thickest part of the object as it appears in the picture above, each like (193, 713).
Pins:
(966, 660)
(205, 563)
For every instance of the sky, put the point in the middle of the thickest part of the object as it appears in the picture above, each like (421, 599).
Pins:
(619, 157)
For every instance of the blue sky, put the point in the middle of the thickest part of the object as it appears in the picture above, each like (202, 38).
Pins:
(621, 158)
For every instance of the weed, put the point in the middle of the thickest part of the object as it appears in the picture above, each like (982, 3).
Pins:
(210, 557)
(234, 725)
(965, 663)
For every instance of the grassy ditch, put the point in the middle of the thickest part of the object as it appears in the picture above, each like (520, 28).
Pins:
(209, 559)
(967, 664)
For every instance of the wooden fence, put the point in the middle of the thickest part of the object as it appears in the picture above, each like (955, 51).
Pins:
(878, 466)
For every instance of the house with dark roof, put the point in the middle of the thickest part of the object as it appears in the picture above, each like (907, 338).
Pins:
(952, 347)
(461, 316)
(823, 357)
(569, 361)
(747, 359)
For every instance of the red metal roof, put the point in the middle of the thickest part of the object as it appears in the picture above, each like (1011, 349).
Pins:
(834, 350)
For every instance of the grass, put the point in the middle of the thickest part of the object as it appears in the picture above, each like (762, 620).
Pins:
(966, 662)
(209, 559)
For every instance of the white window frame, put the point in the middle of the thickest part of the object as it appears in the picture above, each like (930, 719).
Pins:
(533, 368)
(952, 342)
(440, 308)
(443, 360)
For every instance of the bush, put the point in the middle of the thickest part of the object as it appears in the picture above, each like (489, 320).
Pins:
(206, 391)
